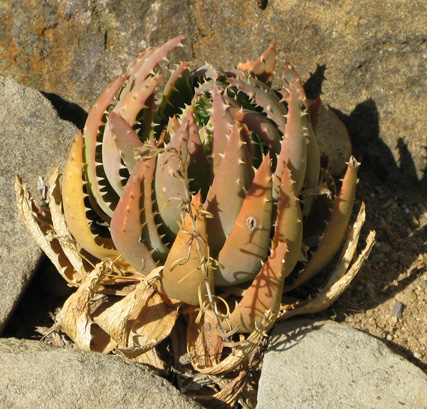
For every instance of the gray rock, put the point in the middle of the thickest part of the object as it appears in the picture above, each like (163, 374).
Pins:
(34, 374)
(322, 364)
(372, 53)
(32, 139)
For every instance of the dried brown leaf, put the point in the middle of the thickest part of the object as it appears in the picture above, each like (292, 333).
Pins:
(75, 316)
(341, 276)
(242, 351)
(204, 343)
(231, 393)
(40, 226)
(139, 321)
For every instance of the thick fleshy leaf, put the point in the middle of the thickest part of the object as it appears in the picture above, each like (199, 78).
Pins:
(336, 228)
(294, 146)
(267, 100)
(150, 232)
(312, 173)
(68, 244)
(289, 76)
(288, 226)
(264, 294)
(247, 245)
(263, 66)
(260, 125)
(128, 107)
(176, 94)
(222, 122)
(170, 179)
(75, 209)
(127, 224)
(103, 199)
(127, 140)
(227, 192)
(149, 61)
(187, 270)
(341, 276)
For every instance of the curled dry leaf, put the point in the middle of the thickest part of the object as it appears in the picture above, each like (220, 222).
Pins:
(76, 315)
(341, 275)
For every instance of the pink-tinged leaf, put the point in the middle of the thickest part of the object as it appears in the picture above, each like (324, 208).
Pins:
(175, 94)
(139, 61)
(227, 192)
(90, 132)
(169, 185)
(260, 125)
(312, 173)
(150, 232)
(268, 101)
(247, 245)
(126, 224)
(127, 140)
(172, 128)
(289, 76)
(288, 226)
(222, 121)
(294, 146)
(186, 270)
(263, 295)
(263, 67)
(336, 228)
(147, 65)
(128, 108)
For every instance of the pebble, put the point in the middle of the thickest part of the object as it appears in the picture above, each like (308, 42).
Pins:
(397, 309)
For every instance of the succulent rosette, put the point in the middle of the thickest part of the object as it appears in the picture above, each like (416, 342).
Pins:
(192, 209)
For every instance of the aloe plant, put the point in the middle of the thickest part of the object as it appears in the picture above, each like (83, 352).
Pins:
(198, 196)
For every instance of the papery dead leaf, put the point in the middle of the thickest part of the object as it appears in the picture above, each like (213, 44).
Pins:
(204, 343)
(231, 393)
(75, 316)
(150, 357)
(40, 226)
(243, 350)
(341, 276)
(140, 320)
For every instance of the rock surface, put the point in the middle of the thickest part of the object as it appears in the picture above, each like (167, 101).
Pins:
(373, 54)
(324, 364)
(32, 139)
(34, 374)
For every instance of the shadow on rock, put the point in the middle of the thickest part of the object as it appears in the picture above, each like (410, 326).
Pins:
(282, 339)
(68, 111)
(386, 183)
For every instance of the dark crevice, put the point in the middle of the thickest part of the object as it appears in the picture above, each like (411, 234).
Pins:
(68, 111)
